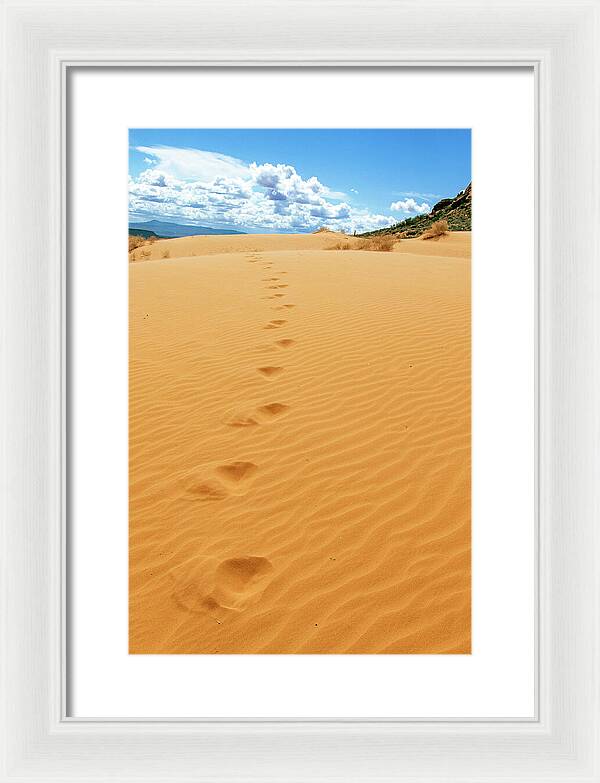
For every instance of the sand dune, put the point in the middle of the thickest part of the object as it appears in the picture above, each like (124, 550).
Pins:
(243, 243)
(300, 447)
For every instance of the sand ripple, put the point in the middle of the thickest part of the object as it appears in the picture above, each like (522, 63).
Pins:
(300, 484)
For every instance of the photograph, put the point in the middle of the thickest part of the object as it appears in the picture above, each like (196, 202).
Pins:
(299, 391)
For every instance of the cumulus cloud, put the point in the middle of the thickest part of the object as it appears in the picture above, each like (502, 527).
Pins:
(196, 186)
(158, 178)
(410, 206)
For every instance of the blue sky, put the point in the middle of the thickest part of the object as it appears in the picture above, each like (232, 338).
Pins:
(277, 180)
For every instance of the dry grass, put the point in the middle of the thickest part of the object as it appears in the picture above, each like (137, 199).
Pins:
(135, 241)
(165, 254)
(341, 246)
(381, 244)
(436, 230)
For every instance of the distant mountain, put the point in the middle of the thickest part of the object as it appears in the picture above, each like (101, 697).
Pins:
(168, 230)
(457, 211)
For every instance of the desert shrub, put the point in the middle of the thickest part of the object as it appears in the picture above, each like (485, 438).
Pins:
(135, 241)
(340, 246)
(383, 243)
(146, 253)
(165, 254)
(436, 230)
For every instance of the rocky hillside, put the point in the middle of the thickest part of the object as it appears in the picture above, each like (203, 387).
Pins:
(457, 211)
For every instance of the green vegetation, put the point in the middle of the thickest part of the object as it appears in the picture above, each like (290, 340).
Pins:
(142, 232)
(455, 211)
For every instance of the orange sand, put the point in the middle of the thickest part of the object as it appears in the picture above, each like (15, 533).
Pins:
(300, 447)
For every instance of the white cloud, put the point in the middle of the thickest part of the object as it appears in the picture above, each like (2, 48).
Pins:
(410, 206)
(416, 195)
(190, 164)
(196, 186)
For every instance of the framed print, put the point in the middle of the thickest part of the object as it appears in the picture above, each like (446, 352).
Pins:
(300, 483)
(189, 585)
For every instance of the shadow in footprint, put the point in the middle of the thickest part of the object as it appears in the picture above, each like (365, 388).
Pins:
(274, 409)
(275, 324)
(203, 488)
(236, 471)
(260, 415)
(286, 343)
(269, 371)
(240, 420)
(210, 482)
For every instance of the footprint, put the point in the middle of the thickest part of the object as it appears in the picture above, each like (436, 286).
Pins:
(274, 409)
(206, 585)
(240, 581)
(205, 485)
(240, 420)
(203, 488)
(289, 306)
(275, 324)
(270, 279)
(259, 415)
(237, 471)
(286, 342)
(282, 285)
(268, 371)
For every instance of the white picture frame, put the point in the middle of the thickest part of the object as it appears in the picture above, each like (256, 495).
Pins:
(40, 42)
